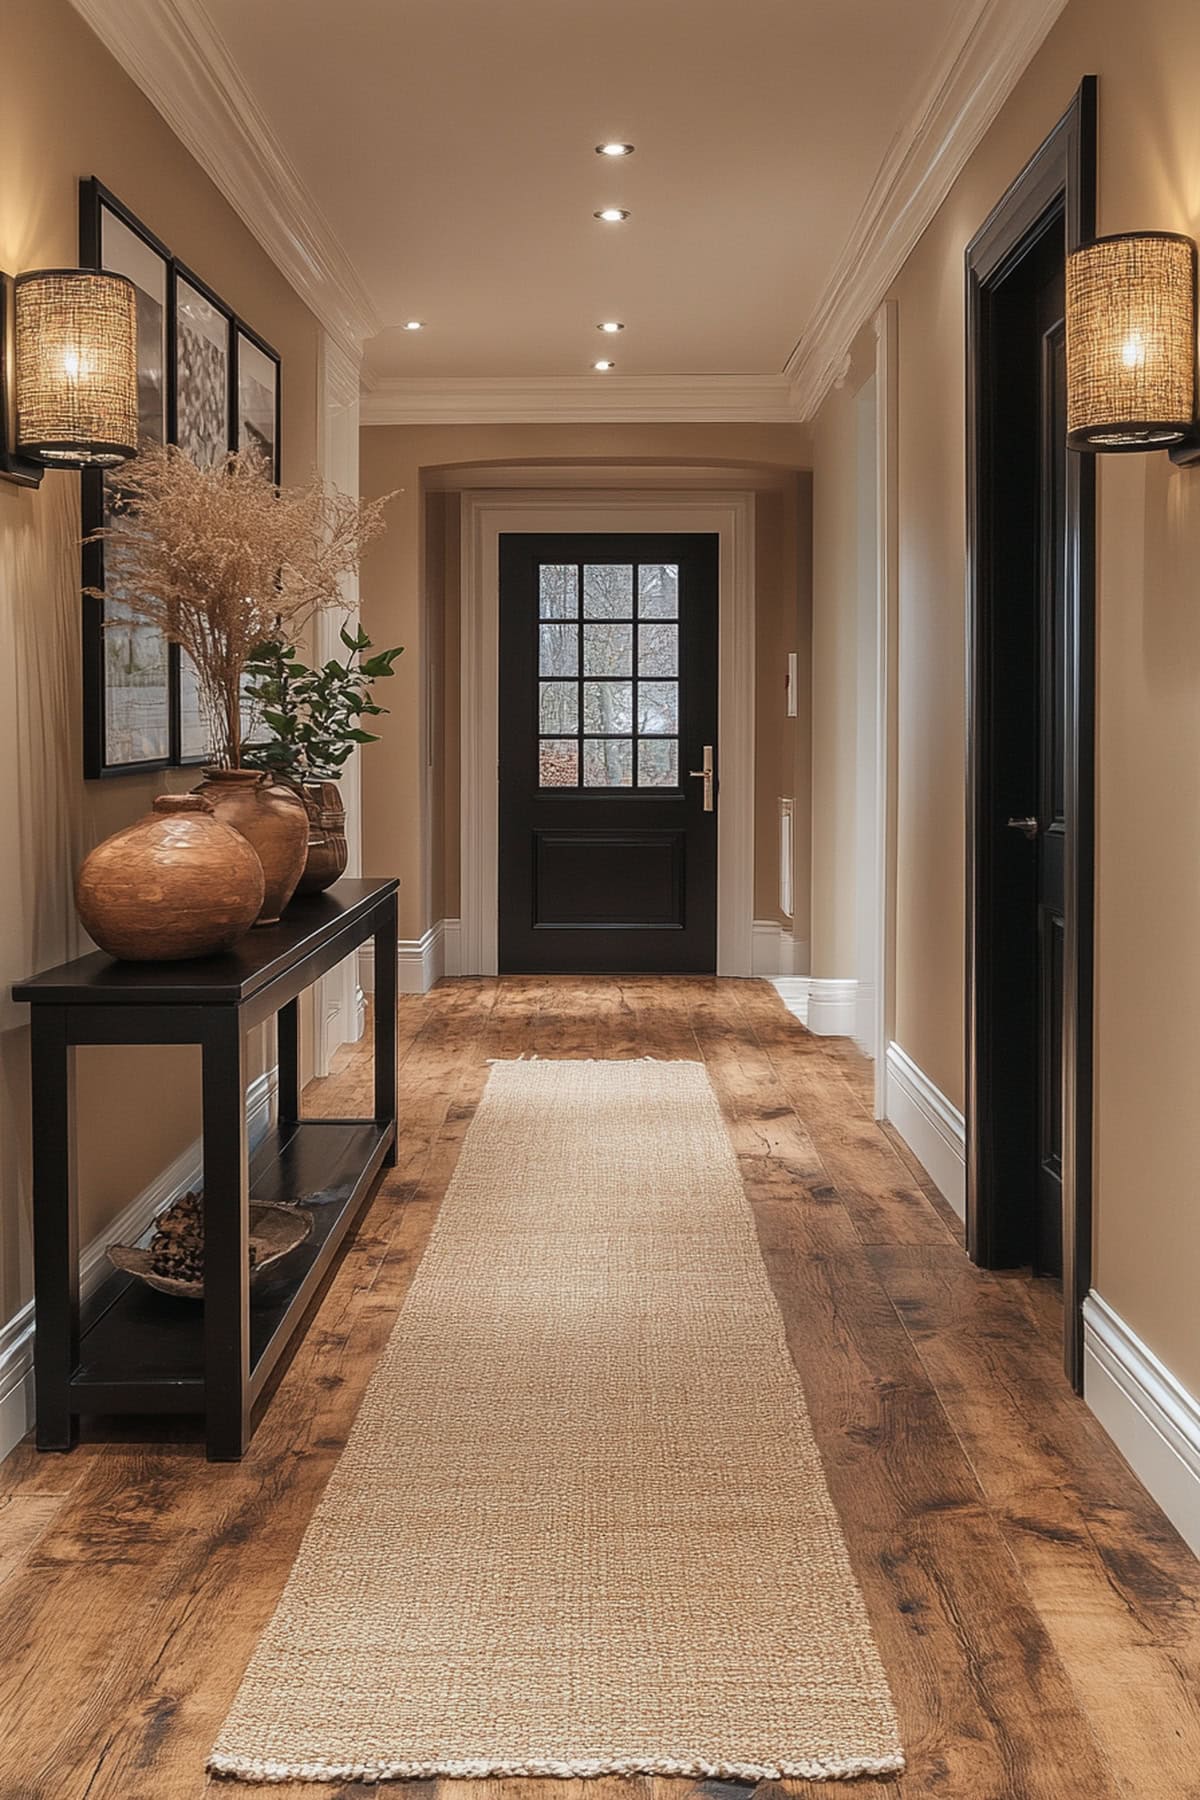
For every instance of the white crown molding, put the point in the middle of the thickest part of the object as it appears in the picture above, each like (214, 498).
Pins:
(987, 54)
(172, 51)
(579, 400)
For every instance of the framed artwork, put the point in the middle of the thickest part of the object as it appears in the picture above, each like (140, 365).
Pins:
(257, 398)
(210, 384)
(126, 664)
(202, 425)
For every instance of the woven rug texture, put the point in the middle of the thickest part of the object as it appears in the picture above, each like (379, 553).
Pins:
(580, 1526)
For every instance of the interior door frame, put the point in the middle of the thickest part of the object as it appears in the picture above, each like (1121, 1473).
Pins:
(1062, 175)
(488, 514)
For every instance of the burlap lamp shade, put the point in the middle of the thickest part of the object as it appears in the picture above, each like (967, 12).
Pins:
(75, 343)
(1131, 342)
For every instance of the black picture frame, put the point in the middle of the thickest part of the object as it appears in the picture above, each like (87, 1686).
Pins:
(115, 740)
(203, 387)
(256, 418)
(192, 400)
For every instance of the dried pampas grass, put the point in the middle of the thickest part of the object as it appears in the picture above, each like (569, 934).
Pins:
(221, 560)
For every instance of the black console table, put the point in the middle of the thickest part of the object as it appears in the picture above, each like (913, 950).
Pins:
(137, 1351)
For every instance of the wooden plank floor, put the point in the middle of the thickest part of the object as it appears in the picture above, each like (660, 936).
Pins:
(1039, 1618)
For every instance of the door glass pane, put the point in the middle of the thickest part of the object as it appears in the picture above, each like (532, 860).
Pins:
(658, 762)
(558, 649)
(658, 591)
(608, 706)
(608, 649)
(608, 590)
(608, 762)
(558, 762)
(558, 591)
(559, 706)
(658, 707)
(658, 650)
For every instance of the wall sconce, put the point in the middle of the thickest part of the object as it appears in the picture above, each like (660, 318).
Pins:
(1131, 345)
(68, 372)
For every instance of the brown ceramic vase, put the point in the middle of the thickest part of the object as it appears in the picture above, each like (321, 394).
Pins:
(179, 883)
(273, 818)
(326, 861)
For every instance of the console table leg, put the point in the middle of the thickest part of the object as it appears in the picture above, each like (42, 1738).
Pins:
(386, 952)
(55, 1228)
(226, 1240)
(287, 1033)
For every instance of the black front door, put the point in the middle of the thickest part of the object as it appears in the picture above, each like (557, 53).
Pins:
(608, 702)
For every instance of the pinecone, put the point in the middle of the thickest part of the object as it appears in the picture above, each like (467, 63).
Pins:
(177, 1246)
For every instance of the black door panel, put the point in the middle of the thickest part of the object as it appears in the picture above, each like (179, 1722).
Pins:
(608, 660)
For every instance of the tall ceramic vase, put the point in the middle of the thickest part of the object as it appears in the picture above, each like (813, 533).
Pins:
(273, 818)
(327, 853)
(176, 884)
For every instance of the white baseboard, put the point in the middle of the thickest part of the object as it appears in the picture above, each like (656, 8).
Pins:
(828, 1007)
(934, 1130)
(1149, 1415)
(452, 947)
(16, 1337)
(774, 951)
(420, 961)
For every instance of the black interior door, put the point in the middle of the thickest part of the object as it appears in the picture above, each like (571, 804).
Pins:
(1023, 950)
(1031, 528)
(608, 702)
(1051, 738)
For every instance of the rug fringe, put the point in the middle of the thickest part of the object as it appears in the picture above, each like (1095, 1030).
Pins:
(690, 1768)
(600, 1062)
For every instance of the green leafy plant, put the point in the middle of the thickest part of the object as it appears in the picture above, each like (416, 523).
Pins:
(314, 714)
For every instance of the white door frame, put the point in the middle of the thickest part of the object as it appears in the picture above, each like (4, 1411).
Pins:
(887, 591)
(488, 513)
(337, 998)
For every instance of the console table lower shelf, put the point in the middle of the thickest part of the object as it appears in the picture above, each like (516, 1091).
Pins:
(143, 1352)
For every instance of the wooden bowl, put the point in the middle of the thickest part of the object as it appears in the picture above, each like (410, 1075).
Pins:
(274, 1230)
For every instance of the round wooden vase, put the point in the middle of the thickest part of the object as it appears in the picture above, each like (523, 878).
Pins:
(178, 883)
(275, 820)
(326, 861)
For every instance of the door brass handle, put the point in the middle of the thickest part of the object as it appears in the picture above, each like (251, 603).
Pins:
(706, 776)
(1027, 827)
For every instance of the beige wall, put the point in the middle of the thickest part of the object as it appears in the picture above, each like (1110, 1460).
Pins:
(409, 596)
(69, 112)
(1147, 1128)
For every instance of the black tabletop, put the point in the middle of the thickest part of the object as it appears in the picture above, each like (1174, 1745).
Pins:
(265, 952)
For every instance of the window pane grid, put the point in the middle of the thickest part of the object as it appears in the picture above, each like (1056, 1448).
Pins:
(608, 693)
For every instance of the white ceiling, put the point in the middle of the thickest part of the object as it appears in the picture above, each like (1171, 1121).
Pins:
(450, 146)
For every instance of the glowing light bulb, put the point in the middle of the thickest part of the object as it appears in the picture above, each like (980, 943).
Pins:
(1133, 350)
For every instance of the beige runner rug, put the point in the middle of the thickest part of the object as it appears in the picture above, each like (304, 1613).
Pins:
(580, 1526)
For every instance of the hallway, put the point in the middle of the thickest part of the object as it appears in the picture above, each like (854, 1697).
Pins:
(1038, 1617)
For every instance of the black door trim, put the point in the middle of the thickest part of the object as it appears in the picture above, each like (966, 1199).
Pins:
(1056, 191)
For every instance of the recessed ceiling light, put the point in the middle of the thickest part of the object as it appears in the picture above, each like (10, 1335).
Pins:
(610, 325)
(414, 325)
(614, 149)
(612, 215)
(604, 364)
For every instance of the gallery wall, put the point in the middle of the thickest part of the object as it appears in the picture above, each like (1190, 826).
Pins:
(70, 112)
